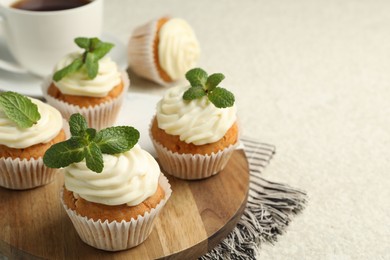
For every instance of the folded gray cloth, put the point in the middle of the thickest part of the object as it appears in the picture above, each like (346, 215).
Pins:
(270, 208)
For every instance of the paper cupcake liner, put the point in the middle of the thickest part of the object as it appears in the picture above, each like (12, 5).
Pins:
(141, 54)
(116, 236)
(25, 174)
(192, 166)
(98, 117)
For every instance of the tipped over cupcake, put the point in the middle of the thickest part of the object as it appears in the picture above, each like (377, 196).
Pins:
(163, 50)
(113, 189)
(88, 82)
(195, 129)
(28, 127)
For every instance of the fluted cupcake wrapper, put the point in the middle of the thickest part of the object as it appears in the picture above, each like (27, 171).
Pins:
(98, 117)
(141, 54)
(116, 236)
(192, 166)
(24, 174)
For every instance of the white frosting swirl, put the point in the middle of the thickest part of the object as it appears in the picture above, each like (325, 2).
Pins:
(127, 178)
(197, 121)
(47, 127)
(79, 84)
(178, 49)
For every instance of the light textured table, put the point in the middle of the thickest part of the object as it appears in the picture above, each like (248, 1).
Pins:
(312, 78)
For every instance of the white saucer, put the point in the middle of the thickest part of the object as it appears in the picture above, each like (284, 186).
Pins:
(138, 111)
(30, 85)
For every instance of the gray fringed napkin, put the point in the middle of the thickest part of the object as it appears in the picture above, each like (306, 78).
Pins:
(270, 208)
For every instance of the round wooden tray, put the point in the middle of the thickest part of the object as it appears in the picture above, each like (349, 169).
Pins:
(197, 217)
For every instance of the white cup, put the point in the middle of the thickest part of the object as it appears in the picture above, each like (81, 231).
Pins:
(39, 39)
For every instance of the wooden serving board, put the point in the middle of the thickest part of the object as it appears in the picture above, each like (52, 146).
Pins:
(196, 218)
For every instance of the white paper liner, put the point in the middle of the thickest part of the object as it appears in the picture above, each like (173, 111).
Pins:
(192, 166)
(116, 236)
(98, 117)
(24, 174)
(141, 54)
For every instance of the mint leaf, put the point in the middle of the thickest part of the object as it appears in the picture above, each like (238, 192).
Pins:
(90, 134)
(194, 93)
(77, 124)
(71, 68)
(95, 49)
(83, 42)
(92, 64)
(19, 109)
(203, 85)
(116, 139)
(221, 97)
(197, 77)
(95, 44)
(213, 80)
(89, 144)
(103, 49)
(93, 157)
(64, 153)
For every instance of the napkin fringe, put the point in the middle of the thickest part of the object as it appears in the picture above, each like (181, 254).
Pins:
(269, 210)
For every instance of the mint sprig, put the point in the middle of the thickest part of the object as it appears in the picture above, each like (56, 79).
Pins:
(19, 109)
(89, 144)
(204, 85)
(95, 49)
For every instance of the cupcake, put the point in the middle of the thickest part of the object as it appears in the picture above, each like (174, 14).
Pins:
(89, 83)
(113, 189)
(28, 127)
(163, 50)
(195, 128)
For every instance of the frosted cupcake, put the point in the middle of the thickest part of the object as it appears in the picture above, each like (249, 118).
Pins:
(195, 128)
(113, 189)
(89, 83)
(28, 127)
(163, 50)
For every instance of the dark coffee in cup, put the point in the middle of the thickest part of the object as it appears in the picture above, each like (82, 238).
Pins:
(48, 5)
